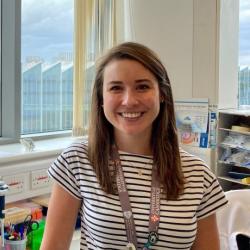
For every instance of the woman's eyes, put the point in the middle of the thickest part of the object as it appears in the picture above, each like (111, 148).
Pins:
(115, 88)
(140, 87)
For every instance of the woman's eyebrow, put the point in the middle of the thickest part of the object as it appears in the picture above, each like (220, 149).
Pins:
(114, 83)
(143, 80)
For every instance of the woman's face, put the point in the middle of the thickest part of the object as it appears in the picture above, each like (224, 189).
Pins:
(131, 97)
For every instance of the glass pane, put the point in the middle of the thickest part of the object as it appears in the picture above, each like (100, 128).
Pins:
(47, 65)
(244, 53)
(0, 68)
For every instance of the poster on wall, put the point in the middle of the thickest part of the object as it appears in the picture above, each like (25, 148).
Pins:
(192, 121)
(192, 115)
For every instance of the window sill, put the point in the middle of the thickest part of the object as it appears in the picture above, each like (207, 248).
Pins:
(26, 172)
(43, 148)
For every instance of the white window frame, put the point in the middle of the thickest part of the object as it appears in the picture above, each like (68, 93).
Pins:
(0, 68)
(11, 71)
(11, 77)
(10, 102)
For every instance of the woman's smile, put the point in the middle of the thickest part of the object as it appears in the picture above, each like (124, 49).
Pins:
(131, 114)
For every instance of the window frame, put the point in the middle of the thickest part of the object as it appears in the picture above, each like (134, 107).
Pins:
(10, 88)
(0, 68)
(10, 109)
(10, 71)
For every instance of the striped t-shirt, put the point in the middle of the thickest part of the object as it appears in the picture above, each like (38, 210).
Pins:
(102, 222)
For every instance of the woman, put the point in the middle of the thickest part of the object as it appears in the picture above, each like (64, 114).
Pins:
(133, 186)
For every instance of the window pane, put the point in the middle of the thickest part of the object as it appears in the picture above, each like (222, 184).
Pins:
(0, 69)
(47, 65)
(244, 53)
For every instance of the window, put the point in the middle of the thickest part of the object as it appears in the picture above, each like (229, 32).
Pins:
(47, 66)
(37, 70)
(0, 67)
(10, 77)
(244, 53)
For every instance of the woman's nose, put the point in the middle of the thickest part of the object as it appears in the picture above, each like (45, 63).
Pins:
(130, 98)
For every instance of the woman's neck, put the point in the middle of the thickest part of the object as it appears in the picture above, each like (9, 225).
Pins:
(134, 144)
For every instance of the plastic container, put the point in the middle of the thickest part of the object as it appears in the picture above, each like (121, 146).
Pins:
(35, 237)
(15, 244)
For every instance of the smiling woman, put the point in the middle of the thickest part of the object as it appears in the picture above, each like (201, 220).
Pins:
(170, 203)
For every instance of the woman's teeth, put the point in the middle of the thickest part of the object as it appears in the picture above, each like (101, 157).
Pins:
(132, 115)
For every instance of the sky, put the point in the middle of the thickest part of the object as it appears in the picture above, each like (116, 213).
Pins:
(47, 29)
(244, 33)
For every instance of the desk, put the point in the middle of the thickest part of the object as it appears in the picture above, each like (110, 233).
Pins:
(75, 243)
(43, 201)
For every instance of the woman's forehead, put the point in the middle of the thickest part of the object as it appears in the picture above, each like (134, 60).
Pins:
(126, 67)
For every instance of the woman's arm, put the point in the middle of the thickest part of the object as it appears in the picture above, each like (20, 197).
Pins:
(61, 219)
(207, 237)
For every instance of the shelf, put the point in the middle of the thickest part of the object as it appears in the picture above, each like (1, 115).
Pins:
(238, 181)
(236, 112)
(234, 131)
(234, 164)
(227, 119)
(228, 145)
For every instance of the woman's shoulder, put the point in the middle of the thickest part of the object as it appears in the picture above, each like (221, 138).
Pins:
(76, 149)
(190, 160)
(186, 156)
(193, 164)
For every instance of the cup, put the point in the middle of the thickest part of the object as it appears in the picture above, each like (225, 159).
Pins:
(15, 244)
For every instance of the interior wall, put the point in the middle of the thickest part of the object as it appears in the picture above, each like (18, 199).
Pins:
(228, 54)
(197, 41)
(166, 26)
(205, 77)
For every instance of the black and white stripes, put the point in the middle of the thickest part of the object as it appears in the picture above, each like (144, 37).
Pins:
(102, 224)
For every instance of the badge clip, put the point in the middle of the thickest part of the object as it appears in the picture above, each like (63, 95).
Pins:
(130, 246)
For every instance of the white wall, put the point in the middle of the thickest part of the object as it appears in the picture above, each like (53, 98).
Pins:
(228, 56)
(205, 80)
(194, 41)
(166, 26)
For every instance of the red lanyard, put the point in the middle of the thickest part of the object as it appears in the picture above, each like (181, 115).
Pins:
(154, 217)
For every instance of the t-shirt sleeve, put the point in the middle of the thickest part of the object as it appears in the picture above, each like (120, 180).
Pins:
(61, 171)
(213, 197)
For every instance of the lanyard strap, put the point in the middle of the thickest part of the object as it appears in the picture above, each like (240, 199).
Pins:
(154, 217)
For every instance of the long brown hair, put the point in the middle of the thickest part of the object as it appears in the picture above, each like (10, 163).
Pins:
(164, 139)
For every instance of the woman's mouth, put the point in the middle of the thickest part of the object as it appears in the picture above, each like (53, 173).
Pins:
(131, 114)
